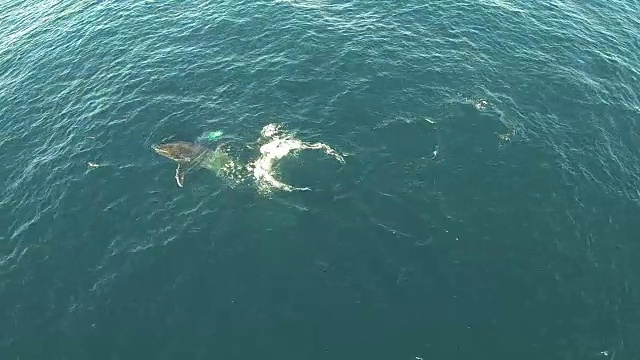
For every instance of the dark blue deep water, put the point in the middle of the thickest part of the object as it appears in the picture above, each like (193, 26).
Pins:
(488, 207)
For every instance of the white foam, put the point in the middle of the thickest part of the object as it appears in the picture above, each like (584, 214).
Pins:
(279, 145)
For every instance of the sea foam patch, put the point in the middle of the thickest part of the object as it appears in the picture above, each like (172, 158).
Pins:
(278, 144)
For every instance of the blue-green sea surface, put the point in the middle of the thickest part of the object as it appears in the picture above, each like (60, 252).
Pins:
(487, 208)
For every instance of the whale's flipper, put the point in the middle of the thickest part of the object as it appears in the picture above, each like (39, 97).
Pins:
(179, 175)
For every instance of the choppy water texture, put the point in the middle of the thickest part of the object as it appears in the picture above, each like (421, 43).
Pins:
(452, 230)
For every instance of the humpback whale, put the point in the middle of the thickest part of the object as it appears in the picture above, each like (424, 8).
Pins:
(275, 144)
(190, 155)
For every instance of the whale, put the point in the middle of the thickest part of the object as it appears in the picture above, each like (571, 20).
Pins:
(191, 155)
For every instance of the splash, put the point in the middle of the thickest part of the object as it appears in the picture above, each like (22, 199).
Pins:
(280, 144)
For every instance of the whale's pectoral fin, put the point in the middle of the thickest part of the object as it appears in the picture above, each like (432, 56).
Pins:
(179, 176)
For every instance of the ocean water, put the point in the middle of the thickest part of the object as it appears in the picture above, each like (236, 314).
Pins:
(487, 208)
